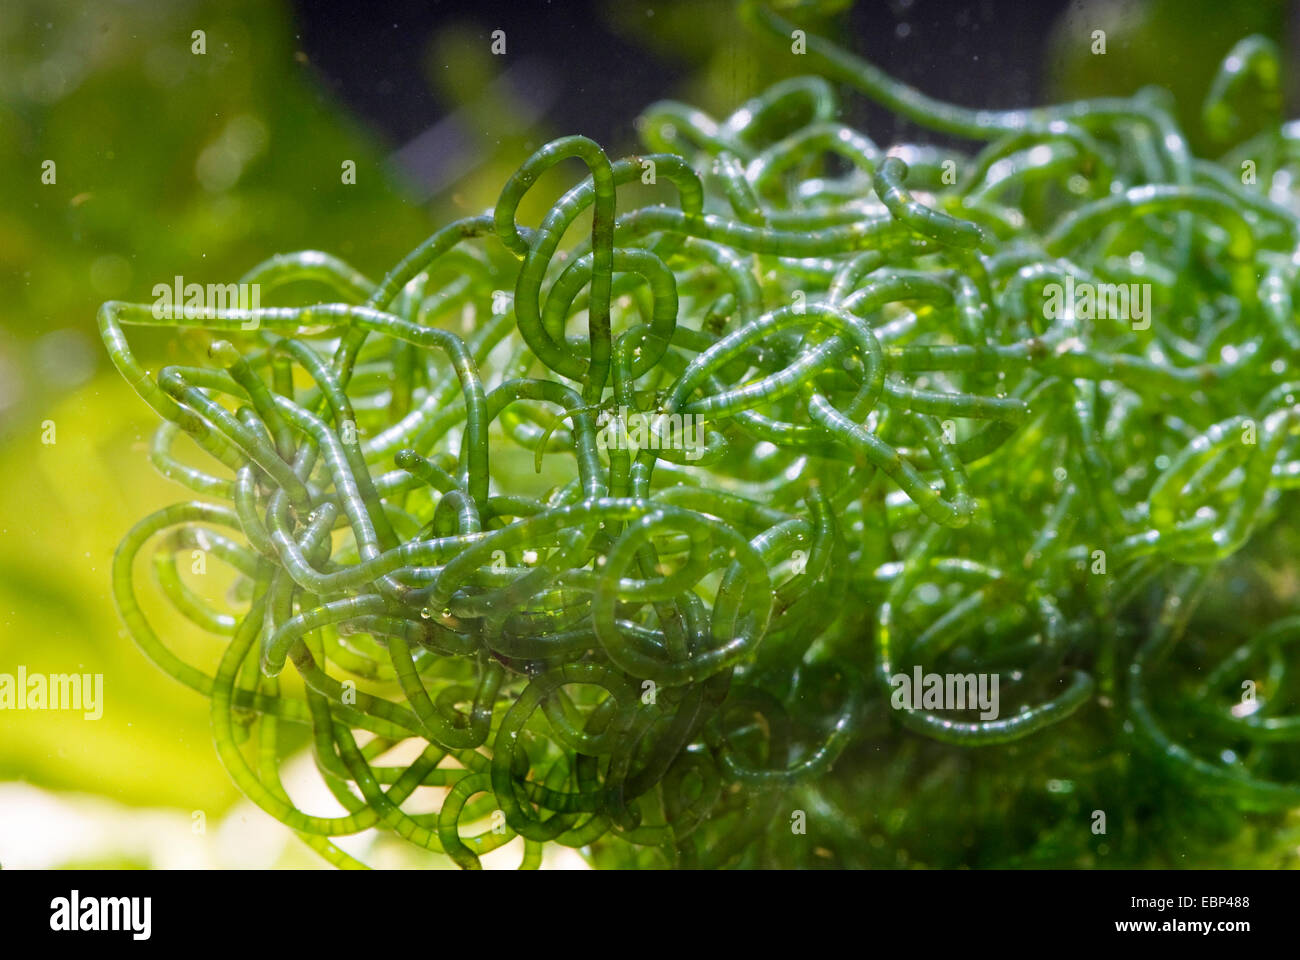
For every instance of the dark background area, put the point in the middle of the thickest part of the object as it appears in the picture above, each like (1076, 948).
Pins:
(581, 67)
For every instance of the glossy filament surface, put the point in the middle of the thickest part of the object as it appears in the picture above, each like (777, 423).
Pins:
(617, 537)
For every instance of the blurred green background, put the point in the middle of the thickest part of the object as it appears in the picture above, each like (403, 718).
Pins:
(168, 162)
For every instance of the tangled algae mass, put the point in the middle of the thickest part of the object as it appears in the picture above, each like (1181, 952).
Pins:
(666, 654)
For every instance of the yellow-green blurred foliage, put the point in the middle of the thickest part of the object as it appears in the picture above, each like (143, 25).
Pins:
(166, 162)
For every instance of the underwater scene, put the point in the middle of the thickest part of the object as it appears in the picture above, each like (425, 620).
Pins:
(649, 435)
